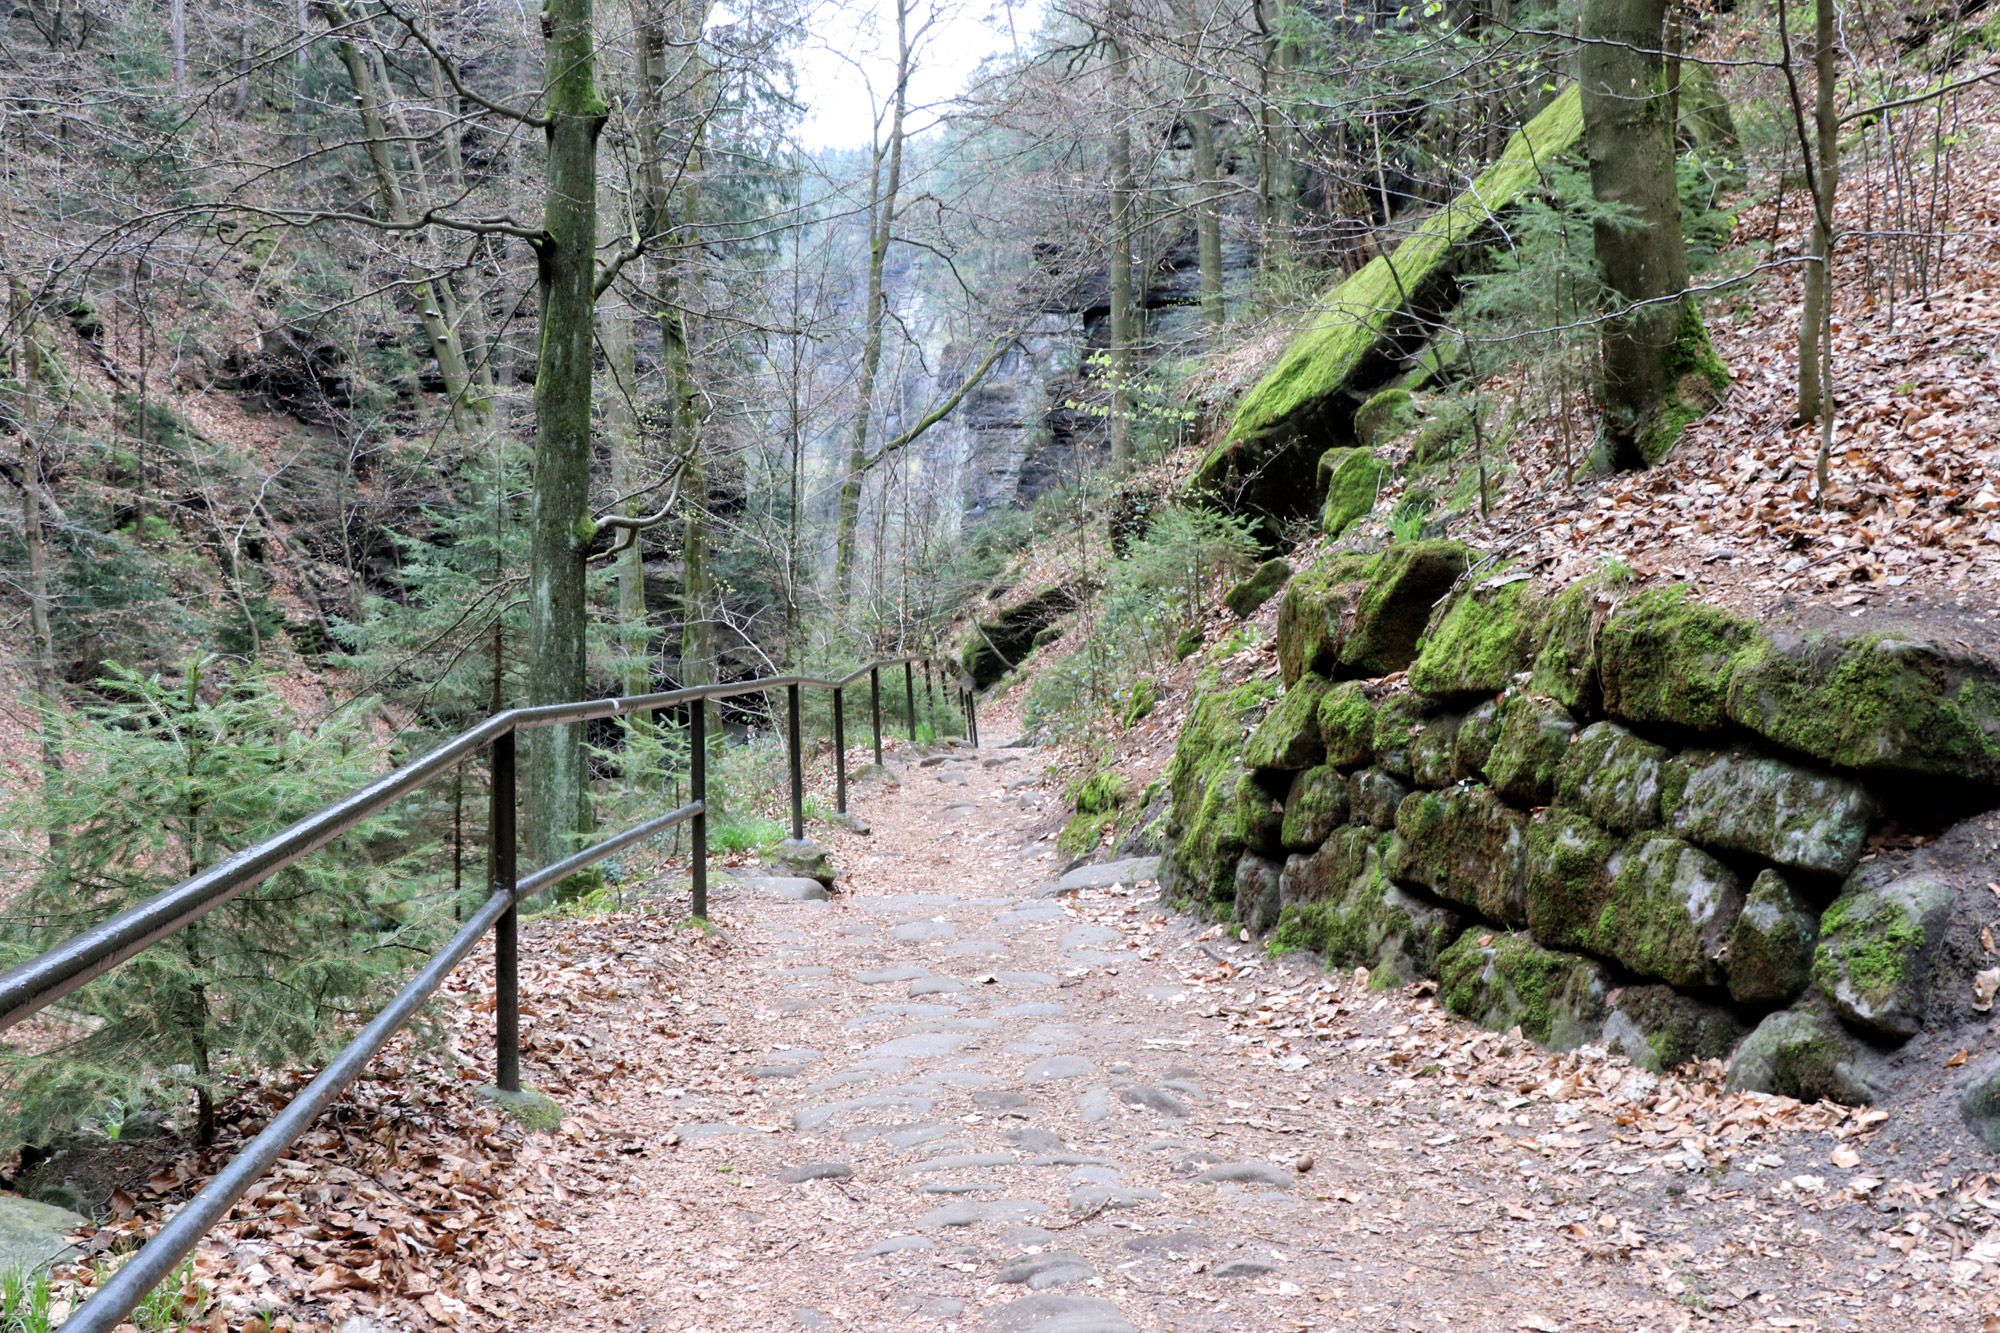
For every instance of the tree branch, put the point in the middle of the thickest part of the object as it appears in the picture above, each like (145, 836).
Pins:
(950, 404)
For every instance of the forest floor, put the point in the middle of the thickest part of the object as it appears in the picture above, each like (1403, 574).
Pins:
(946, 1099)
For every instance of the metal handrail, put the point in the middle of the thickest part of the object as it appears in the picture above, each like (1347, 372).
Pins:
(40, 982)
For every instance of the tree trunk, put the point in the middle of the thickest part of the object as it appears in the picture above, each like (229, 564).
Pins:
(621, 430)
(881, 227)
(1653, 345)
(240, 105)
(1208, 205)
(42, 664)
(1120, 242)
(1826, 185)
(1277, 193)
(560, 525)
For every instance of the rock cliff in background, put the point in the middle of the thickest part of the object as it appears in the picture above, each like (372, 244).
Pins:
(1620, 817)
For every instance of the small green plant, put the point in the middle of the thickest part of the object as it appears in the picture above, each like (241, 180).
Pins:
(1616, 570)
(744, 833)
(168, 1306)
(24, 1302)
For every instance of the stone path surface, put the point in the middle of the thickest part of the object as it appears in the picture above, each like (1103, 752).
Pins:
(957, 1097)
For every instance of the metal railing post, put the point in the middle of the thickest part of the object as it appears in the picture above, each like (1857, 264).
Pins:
(839, 753)
(930, 695)
(798, 763)
(910, 698)
(698, 792)
(506, 933)
(972, 715)
(875, 707)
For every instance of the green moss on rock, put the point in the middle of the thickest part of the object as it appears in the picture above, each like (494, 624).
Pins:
(1214, 810)
(1351, 478)
(1669, 913)
(1534, 736)
(1373, 796)
(1472, 746)
(1502, 981)
(1565, 666)
(1658, 1028)
(1571, 864)
(1347, 725)
(1314, 807)
(1803, 1052)
(1874, 954)
(1382, 417)
(1244, 598)
(1257, 889)
(1313, 618)
(1367, 921)
(1666, 658)
(1289, 737)
(1325, 872)
(1882, 702)
(1095, 801)
(1485, 636)
(1771, 945)
(1399, 720)
(1613, 777)
(1140, 703)
(1406, 582)
(1432, 750)
(1697, 381)
(1466, 846)
(1742, 801)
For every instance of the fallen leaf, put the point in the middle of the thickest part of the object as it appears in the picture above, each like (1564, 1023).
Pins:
(1958, 1057)
(1845, 1158)
(1984, 985)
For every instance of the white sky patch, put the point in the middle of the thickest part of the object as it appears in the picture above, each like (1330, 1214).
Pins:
(847, 62)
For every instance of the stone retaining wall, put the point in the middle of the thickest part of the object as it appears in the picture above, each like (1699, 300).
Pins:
(1601, 815)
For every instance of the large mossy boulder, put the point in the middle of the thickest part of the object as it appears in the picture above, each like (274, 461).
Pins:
(1535, 734)
(1468, 847)
(1771, 944)
(1875, 952)
(1314, 807)
(1367, 921)
(1347, 725)
(1288, 738)
(1658, 1028)
(1895, 703)
(1244, 598)
(1804, 1052)
(1666, 658)
(1216, 810)
(1613, 778)
(1486, 636)
(1502, 981)
(1313, 619)
(1353, 342)
(1741, 801)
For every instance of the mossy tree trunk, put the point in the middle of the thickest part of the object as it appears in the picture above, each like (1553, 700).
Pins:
(1816, 318)
(1628, 138)
(560, 523)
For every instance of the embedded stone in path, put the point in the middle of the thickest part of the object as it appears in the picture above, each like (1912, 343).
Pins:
(813, 1117)
(1066, 1158)
(921, 932)
(968, 1214)
(1059, 1066)
(960, 1187)
(1047, 1312)
(1088, 937)
(1094, 1104)
(1155, 1099)
(696, 1133)
(1034, 1140)
(1248, 1173)
(1026, 979)
(942, 1307)
(936, 986)
(1038, 1272)
(1243, 1268)
(1028, 914)
(813, 970)
(1103, 876)
(797, 1175)
(1091, 1198)
(882, 976)
(958, 1163)
(1033, 1009)
(1170, 1243)
(1093, 958)
(913, 1135)
(792, 888)
(973, 948)
(999, 1101)
(897, 1245)
(786, 1064)
(923, 1045)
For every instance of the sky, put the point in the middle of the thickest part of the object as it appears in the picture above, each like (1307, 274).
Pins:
(852, 47)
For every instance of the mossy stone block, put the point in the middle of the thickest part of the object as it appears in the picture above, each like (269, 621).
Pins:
(1472, 746)
(1257, 892)
(1875, 949)
(1565, 665)
(1370, 922)
(1289, 738)
(1613, 777)
(1485, 637)
(1880, 702)
(1741, 801)
(1665, 658)
(1406, 583)
(1399, 720)
(1502, 981)
(1803, 1052)
(1431, 752)
(1670, 912)
(1347, 725)
(1468, 847)
(1373, 796)
(1314, 807)
(1350, 478)
(1095, 801)
(1244, 598)
(1382, 417)
(1314, 617)
(1658, 1028)
(1979, 1103)
(1571, 864)
(1325, 872)
(532, 1109)
(1534, 736)
(1211, 819)
(1771, 945)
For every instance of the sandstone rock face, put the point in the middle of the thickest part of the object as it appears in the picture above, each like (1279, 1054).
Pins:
(1534, 735)
(1468, 847)
(1505, 980)
(1659, 1028)
(1257, 892)
(1288, 738)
